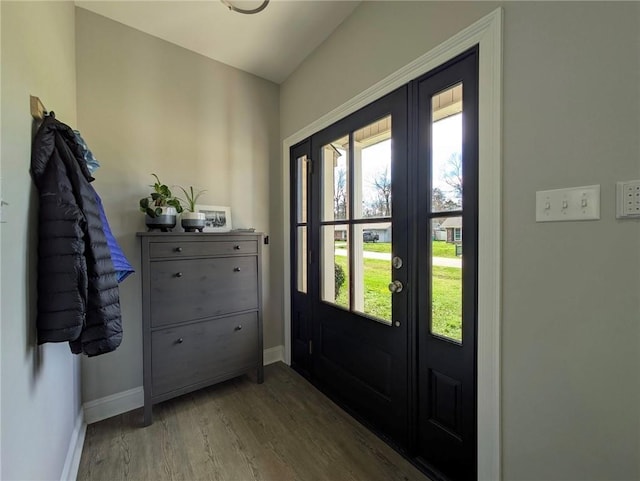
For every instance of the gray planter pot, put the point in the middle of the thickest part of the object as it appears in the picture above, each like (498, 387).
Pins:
(164, 222)
(193, 221)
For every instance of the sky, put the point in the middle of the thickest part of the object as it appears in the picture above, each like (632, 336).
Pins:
(447, 140)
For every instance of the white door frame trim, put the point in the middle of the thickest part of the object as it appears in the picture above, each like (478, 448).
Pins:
(487, 33)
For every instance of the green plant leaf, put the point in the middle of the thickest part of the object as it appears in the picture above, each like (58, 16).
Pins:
(175, 203)
(197, 196)
(160, 197)
(186, 200)
(190, 197)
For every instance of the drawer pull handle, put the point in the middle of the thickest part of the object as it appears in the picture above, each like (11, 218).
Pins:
(236, 247)
(178, 249)
(238, 328)
(236, 269)
(180, 341)
(178, 274)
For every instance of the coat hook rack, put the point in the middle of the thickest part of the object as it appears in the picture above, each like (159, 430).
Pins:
(38, 111)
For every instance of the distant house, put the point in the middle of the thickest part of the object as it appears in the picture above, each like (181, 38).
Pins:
(340, 233)
(438, 233)
(383, 229)
(453, 226)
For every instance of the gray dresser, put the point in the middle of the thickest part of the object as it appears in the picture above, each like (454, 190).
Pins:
(201, 311)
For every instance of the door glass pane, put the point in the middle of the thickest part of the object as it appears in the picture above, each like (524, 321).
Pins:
(301, 263)
(335, 180)
(371, 250)
(334, 265)
(446, 278)
(446, 150)
(301, 191)
(372, 170)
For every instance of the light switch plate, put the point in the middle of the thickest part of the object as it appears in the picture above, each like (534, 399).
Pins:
(628, 199)
(574, 203)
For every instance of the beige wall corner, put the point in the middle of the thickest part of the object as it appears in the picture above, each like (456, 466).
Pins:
(147, 106)
(40, 389)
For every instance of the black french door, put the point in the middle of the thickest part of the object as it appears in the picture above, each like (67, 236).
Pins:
(383, 292)
(348, 328)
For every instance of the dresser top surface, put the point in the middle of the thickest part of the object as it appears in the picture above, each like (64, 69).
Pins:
(198, 234)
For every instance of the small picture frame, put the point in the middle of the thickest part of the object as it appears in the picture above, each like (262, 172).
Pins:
(218, 217)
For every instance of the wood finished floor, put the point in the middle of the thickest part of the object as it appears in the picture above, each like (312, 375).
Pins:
(282, 430)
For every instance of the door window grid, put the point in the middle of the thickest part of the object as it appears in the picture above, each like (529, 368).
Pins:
(355, 245)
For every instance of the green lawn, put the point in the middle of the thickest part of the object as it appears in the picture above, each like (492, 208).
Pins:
(446, 299)
(378, 247)
(439, 248)
(443, 249)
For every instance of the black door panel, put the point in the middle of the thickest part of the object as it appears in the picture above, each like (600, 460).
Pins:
(446, 367)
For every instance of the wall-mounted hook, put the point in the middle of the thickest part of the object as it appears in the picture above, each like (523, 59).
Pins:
(38, 111)
(2, 204)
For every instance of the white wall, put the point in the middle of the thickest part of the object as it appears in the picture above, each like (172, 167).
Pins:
(40, 385)
(571, 293)
(571, 303)
(145, 105)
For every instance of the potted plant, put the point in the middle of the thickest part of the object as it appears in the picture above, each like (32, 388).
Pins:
(191, 220)
(161, 207)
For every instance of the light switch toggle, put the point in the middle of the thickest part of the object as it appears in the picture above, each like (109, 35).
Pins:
(573, 203)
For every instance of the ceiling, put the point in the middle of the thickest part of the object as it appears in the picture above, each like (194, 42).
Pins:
(269, 44)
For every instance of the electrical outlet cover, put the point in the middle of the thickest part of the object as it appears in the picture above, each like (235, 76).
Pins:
(628, 199)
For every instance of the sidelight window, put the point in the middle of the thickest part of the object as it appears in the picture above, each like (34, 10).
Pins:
(446, 213)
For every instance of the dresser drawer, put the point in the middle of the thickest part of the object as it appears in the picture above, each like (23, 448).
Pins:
(183, 290)
(195, 353)
(180, 248)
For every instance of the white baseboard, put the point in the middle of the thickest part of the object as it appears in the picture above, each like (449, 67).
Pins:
(72, 461)
(125, 401)
(113, 405)
(273, 354)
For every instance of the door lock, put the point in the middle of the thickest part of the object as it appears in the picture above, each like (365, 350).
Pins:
(396, 262)
(396, 287)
